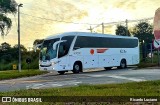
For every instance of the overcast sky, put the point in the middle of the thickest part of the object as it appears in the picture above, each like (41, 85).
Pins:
(41, 18)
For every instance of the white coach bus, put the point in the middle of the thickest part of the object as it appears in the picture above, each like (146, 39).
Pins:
(77, 51)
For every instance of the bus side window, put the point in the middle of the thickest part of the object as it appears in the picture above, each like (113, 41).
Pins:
(65, 46)
(62, 50)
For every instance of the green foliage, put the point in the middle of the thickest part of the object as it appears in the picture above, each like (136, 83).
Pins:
(6, 23)
(122, 30)
(23, 49)
(143, 31)
(148, 88)
(9, 56)
(34, 56)
(37, 41)
(146, 64)
(5, 46)
(16, 74)
(6, 6)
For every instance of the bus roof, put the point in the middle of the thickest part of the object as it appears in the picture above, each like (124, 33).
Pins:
(86, 34)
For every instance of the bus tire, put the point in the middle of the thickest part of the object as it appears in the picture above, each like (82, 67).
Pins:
(123, 64)
(61, 72)
(107, 68)
(77, 67)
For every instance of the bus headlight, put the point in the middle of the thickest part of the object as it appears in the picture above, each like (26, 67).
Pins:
(53, 63)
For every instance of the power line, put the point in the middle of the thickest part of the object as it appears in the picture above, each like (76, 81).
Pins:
(97, 25)
(57, 20)
(114, 23)
(91, 28)
(140, 19)
(129, 21)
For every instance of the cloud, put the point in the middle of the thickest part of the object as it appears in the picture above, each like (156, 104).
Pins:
(34, 28)
(76, 11)
(126, 4)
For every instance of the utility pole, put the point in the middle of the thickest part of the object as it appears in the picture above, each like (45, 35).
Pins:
(151, 53)
(19, 46)
(90, 28)
(102, 28)
(126, 27)
(158, 58)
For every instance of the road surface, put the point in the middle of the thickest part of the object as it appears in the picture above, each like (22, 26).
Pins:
(93, 76)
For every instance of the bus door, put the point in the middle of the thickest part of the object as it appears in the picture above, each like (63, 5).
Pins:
(64, 48)
(63, 59)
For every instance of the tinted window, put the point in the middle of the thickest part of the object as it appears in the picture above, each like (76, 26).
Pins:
(47, 51)
(102, 42)
(65, 46)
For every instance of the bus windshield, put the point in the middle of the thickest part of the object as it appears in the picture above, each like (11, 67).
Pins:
(47, 52)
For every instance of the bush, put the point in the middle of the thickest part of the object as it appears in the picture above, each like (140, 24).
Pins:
(145, 64)
(7, 63)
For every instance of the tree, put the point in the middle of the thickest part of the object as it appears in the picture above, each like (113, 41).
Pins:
(143, 31)
(122, 30)
(5, 46)
(5, 22)
(6, 6)
(38, 41)
(23, 49)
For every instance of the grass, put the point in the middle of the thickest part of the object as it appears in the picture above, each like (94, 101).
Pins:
(11, 74)
(146, 64)
(147, 88)
(140, 89)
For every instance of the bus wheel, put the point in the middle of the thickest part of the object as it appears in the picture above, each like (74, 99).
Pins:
(77, 67)
(122, 64)
(107, 68)
(61, 72)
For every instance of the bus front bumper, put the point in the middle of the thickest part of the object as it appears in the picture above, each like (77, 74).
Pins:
(48, 68)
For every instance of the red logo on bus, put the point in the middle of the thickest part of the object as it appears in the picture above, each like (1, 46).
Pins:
(92, 51)
(101, 50)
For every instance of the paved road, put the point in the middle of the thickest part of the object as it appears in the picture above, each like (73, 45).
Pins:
(96, 76)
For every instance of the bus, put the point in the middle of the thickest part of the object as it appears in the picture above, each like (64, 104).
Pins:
(77, 51)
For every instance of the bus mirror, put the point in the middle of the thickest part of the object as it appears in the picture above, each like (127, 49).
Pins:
(56, 43)
(35, 47)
